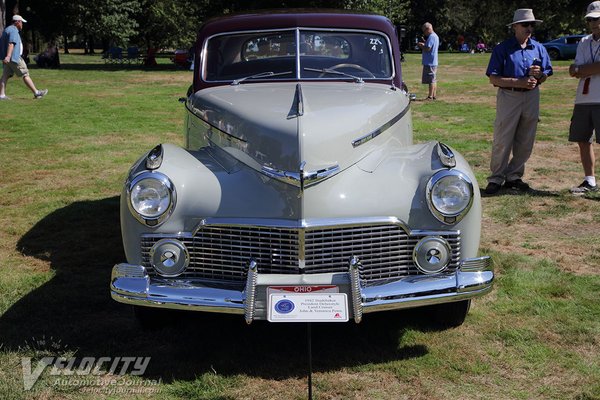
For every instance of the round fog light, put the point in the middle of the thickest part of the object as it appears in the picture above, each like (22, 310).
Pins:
(432, 255)
(169, 257)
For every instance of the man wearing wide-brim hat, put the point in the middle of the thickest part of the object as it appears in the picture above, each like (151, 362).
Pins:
(586, 113)
(518, 66)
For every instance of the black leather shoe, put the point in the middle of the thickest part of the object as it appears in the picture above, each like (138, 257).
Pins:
(492, 188)
(517, 184)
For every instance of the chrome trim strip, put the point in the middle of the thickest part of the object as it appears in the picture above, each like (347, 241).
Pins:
(355, 289)
(301, 249)
(476, 264)
(312, 224)
(250, 291)
(298, 71)
(381, 129)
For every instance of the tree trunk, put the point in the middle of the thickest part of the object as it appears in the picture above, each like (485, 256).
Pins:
(2, 15)
(66, 42)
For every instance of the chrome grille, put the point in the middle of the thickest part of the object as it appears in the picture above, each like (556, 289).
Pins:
(222, 253)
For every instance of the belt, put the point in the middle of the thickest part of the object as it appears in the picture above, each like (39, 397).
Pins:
(516, 89)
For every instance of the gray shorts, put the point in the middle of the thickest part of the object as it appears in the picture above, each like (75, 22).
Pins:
(585, 120)
(429, 74)
(19, 69)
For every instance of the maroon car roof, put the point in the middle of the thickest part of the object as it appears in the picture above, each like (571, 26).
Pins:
(279, 19)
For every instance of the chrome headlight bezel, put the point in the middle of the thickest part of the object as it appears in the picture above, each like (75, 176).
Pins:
(454, 180)
(151, 219)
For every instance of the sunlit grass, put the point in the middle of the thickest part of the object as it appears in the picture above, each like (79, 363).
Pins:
(64, 159)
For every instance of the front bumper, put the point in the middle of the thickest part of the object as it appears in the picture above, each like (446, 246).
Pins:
(131, 284)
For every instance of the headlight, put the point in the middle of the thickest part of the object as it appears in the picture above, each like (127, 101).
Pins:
(449, 195)
(151, 197)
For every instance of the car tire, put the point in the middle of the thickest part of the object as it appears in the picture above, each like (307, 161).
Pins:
(451, 315)
(554, 54)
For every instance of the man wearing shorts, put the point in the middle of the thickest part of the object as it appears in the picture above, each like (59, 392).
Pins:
(586, 114)
(430, 59)
(11, 49)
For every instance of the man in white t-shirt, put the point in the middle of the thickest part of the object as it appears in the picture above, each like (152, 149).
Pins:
(586, 114)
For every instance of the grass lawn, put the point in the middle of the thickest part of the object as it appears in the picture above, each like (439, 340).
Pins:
(63, 160)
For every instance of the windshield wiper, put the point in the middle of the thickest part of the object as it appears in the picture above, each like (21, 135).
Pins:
(260, 75)
(357, 79)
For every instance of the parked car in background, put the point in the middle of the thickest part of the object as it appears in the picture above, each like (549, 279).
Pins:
(299, 194)
(563, 48)
(183, 58)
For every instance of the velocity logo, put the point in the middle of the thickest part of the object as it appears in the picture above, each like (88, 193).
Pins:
(96, 366)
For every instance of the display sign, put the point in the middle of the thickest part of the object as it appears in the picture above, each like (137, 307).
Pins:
(312, 306)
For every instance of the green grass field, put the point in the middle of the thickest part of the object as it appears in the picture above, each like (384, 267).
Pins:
(63, 160)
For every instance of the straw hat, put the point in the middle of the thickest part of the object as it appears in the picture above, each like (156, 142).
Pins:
(525, 15)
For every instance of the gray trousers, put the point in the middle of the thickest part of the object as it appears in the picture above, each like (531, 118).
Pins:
(517, 115)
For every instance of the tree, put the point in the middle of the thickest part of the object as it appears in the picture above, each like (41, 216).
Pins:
(168, 23)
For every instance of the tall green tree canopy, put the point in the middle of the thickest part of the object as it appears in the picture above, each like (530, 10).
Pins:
(174, 23)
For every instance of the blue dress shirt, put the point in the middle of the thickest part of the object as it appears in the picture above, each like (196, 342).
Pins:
(509, 60)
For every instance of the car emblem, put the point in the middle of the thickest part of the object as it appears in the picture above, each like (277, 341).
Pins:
(433, 256)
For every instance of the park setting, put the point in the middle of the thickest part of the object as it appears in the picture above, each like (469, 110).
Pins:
(65, 159)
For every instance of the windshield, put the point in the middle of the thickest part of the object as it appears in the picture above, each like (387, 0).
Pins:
(297, 54)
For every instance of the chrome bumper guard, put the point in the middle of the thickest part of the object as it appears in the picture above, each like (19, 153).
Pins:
(474, 277)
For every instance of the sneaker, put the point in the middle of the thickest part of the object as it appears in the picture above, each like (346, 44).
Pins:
(517, 184)
(4, 98)
(492, 188)
(40, 93)
(584, 188)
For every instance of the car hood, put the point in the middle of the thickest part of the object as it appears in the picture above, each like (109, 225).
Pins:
(291, 129)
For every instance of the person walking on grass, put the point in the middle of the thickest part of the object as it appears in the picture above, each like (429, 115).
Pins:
(586, 114)
(518, 66)
(429, 59)
(11, 50)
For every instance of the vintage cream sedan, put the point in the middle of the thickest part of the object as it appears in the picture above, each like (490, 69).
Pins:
(299, 194)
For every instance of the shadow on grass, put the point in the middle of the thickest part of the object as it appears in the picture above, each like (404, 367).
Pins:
(82, 242)
(514, 192)
(117, 67)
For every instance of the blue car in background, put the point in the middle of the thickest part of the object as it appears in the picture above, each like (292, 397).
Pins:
(563, 47)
